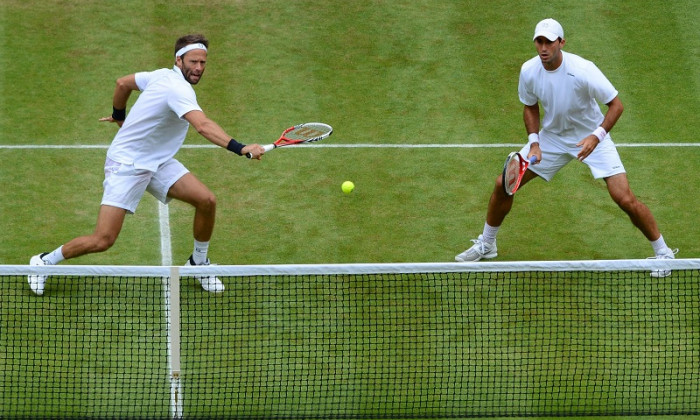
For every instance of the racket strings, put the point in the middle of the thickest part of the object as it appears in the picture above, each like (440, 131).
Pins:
(308, 132)
(512, 174)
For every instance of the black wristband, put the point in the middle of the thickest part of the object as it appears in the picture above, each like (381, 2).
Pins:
(118, 114)
(235, 147)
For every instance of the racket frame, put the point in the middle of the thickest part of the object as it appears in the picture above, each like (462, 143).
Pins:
(511, 180)
(286, 141)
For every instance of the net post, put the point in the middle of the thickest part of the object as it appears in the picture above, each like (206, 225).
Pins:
(173, 303)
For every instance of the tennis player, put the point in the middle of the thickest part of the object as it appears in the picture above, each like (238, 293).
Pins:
(141, 157)
(568, 88)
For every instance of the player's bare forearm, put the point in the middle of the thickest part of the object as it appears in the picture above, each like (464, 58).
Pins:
(215, 134)
(590, 142)
(208, 128)
(615, 109)
(531, 117)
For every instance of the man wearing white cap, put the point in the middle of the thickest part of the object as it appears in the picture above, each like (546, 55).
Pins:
(568, 88)
(141, 158)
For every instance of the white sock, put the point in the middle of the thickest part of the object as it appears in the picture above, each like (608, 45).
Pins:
(54, 257)
(199, 255)
(659, 246)
(490, 233)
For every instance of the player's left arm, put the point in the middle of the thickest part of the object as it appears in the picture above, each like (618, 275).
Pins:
(213, 132)
(613, 114)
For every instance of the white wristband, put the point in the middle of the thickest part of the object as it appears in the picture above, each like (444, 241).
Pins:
(600, 133)
(533, 138)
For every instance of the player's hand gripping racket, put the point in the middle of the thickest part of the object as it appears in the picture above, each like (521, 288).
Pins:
(513, 171)
(302, 133)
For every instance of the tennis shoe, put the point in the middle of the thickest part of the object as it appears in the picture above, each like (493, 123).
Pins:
(37, 282)
(670, 254)
(209, 283)
(479, 250)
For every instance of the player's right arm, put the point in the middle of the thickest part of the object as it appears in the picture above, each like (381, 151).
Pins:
(531, 117)
(124, 86)
(213, 132)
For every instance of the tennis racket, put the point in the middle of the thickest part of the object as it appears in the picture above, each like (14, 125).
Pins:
(513, 171)
(302, 133)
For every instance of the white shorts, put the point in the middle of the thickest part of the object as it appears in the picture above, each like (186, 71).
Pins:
(124, 185)
(603, 162)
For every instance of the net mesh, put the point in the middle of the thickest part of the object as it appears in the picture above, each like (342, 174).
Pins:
(345, 342)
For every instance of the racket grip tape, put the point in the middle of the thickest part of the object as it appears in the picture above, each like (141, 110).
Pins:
(267, 148)
(533, 159)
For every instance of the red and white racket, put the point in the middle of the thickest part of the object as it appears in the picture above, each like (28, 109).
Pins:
(301, 133)
(513, 171)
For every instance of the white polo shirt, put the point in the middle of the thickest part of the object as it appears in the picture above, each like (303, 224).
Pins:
(568, 96)
(154, 129)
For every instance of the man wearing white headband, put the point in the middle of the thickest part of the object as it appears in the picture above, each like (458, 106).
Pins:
(141, 157)
(568, 88)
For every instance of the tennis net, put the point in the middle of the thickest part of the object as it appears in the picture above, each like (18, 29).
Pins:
(350, 341)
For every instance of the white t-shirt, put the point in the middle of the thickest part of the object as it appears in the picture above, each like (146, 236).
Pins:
(568, 96)
(154, 129)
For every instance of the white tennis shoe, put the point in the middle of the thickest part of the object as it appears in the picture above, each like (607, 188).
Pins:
(479, 250)
(670, 254)
(37, 282)
(209, 283)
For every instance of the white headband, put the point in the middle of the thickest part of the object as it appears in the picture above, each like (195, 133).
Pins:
(188, 48)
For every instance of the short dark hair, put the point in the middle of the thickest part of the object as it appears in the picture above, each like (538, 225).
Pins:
(190, 39)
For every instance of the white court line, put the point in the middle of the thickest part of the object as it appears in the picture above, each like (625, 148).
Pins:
(171, 303)
(347, 146)
(166, 251)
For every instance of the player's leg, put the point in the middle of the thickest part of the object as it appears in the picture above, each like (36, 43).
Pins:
(192, 191)
(189, 189)
(638, 212)
(500, 203)
(123, 189)
(554, 157)
(605, 163)
(499, 206)
(124, 186)
(109, 224)
(173, 181)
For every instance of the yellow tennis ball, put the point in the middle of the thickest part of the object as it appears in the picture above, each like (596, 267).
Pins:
(347, 187)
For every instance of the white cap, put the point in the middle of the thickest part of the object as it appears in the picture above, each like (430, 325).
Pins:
(550, 29)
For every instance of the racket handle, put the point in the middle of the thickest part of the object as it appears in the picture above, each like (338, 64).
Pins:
(533, 159)
(267, 148)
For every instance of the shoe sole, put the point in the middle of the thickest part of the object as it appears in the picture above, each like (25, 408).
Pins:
(483, 257)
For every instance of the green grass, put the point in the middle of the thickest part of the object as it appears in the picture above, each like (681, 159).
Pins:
(391, 72)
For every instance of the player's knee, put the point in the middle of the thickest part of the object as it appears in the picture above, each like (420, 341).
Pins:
(498, 190)
(627, 202)
(499, 182)
(104, 242)
(208, 202)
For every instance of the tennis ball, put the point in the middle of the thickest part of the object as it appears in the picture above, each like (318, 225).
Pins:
(347, 187)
